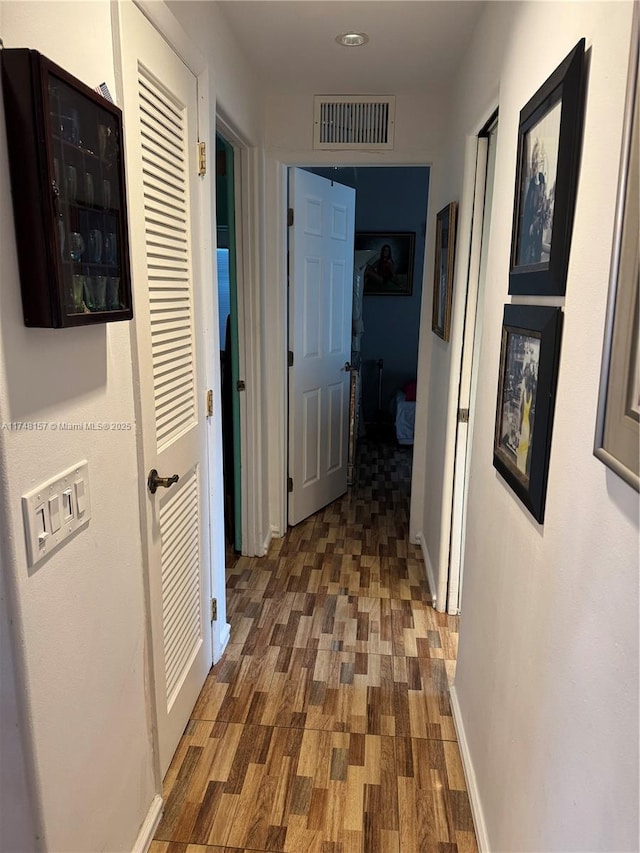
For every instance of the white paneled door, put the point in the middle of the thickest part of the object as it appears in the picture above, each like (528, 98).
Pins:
(320, 303)
(160, 112)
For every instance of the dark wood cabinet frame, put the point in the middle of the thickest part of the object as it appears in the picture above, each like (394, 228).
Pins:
(44, 272)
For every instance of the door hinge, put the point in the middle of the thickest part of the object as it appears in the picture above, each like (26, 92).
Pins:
(290, 217)
(240, 385)
(463, 416)
(214, 609)
(202, 158)
(290, 358)
(209, 403)
(289, 484)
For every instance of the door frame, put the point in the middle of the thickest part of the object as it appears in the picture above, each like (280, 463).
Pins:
(234, 472)
(205, 307)
(468, 366)
(275, 314)
(247, 214)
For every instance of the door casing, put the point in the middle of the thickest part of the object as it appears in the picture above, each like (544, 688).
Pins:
(276, 312)
(471, 340)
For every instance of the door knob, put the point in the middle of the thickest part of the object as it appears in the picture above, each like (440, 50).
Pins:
(153, 481)
(347, 366)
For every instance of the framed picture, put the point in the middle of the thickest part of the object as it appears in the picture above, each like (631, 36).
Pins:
(618, 423)
(526, 398)
(446, 221)
(390, 273)
(549, 143)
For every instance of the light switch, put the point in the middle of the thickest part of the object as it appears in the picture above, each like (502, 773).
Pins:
(81, 502)
(67, 504)
(54, 513)
(41, 526)
(55, 510)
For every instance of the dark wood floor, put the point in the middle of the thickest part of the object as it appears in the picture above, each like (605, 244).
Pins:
(326, 727)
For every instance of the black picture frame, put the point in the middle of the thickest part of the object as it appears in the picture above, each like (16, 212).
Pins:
(528, 375)
(549, 145)
(392, 275)
(446, 227)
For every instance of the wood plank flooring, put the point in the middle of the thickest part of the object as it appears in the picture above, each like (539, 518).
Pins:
(326, 727)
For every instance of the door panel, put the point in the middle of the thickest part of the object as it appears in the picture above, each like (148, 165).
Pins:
(160, 108)
(320, 304)
(336, 403)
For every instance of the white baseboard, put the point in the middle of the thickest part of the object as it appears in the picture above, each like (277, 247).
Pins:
(268, 539)
(221, 642)
(429, 568)
(469, 775)
(151, 821)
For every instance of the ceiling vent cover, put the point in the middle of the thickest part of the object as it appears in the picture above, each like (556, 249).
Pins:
(354, 121)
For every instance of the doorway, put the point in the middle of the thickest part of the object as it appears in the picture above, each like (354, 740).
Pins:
(227, 267)
(391, 207)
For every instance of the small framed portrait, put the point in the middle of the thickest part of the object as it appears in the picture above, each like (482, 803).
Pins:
(390, 272)
(549, 142)
(617, 441)
(527, 381)
(446, 222)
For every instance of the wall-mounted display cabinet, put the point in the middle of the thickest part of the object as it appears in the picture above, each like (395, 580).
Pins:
(67, 181)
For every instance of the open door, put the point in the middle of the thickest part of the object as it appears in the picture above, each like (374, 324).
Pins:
(320, 304)
(161, 110)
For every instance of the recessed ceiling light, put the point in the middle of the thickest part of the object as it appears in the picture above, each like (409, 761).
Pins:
(352, 39)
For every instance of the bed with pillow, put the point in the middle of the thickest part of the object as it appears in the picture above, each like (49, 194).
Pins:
(405, 413)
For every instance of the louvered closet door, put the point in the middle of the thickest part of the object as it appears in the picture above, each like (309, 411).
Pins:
(161, 139)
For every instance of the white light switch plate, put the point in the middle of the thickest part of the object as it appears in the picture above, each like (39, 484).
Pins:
(56, 509)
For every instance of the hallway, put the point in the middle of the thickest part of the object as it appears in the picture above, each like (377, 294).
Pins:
(326, 727)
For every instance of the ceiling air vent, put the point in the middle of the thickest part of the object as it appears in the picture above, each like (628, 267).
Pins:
(354, 121)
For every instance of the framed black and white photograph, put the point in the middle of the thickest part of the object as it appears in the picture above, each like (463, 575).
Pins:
(446, 222)
(549, 144)
(390, 273)
(529, 358)
(617, 441)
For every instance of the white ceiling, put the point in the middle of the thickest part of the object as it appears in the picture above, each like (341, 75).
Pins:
(414, 44)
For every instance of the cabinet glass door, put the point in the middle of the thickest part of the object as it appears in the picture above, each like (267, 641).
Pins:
(86, 156)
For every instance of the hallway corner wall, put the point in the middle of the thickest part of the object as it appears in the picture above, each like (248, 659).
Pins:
(546, 688)
(238, 91)
(18, 814)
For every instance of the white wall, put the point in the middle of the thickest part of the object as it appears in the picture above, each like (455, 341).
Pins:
(547, 677)
(18, 821)
(237, 88)
(439, 362)
(78, 618)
